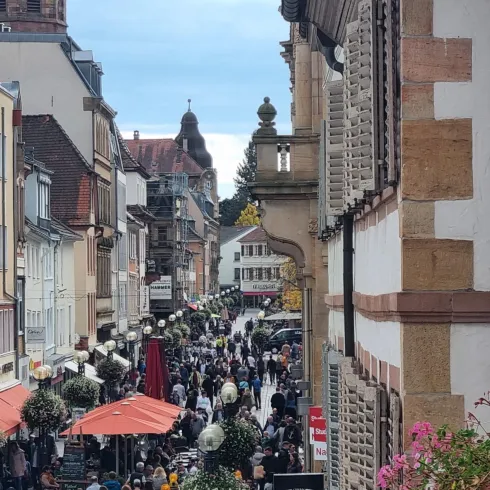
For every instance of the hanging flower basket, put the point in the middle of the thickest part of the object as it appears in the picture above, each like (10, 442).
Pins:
(44, 410)
(111, 371)
(221, 479)
(81, 392)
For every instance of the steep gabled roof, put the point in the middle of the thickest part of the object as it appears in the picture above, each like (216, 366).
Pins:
(255, 236)
(162, 156)
(228, 233)
(129, 162)
(71, 182)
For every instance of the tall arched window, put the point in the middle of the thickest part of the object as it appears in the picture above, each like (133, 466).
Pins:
(61, 10)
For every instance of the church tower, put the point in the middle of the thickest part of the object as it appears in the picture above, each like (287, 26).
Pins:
(40, 16)
(192, 141)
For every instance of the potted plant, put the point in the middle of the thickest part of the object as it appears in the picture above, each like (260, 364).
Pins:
(111, 371)
(221, 479)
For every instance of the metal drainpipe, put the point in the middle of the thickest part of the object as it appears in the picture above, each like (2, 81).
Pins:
(55, 294)
(348, 232)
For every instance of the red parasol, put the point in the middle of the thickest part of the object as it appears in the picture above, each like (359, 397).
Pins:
(117, 423)
(154, 373)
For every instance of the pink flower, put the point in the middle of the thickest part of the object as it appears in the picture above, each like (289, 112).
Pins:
(400, 462)
(421, 430)
(386, 476)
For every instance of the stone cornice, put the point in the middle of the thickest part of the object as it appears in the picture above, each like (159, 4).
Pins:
(420, 306)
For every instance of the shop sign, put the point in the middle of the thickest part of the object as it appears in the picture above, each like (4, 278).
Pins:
(34, 364)
(7, 368)
(145, 303)
(318, 426)
(272, 286)
(161, 289)
(35, 335)
(299, 481)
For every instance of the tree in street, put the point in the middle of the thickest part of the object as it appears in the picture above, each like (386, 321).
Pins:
(291, 298)
(246, 172)
(248, 217)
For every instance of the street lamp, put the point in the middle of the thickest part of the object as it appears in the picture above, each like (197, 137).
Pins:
(211, 297)
(172, 318)
(233, 289)
(223, 294)
(80, 357)
(161, 326)
(42, 375)
(131, 338)
(110, 347)
(216, 296)
(179, 316)
(260, 316)
(227, 292)
(147, 331)
(229, 396)
(210, 441)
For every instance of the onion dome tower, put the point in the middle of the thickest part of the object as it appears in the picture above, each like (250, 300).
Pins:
(192, 141)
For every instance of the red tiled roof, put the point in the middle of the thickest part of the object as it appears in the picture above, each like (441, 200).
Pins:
(162, 156)
(257, 235)
(70, 187)
(129, 162)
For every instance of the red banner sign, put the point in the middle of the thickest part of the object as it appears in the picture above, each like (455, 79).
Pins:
(318, 426)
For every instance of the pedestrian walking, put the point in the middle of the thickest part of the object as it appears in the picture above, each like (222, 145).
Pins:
(257, 388)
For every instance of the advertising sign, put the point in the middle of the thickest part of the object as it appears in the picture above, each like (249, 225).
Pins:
(161, 289)
(299, 481)
(318, 426)
(35, 335)
(145, 300)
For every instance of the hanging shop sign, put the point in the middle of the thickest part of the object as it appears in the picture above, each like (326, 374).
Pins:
(35, 335)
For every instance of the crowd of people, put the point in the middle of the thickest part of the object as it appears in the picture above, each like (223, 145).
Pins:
(195, 381)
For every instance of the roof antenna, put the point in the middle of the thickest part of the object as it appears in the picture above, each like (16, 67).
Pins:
(189, 100)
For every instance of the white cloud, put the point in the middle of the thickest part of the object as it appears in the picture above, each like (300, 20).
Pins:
(226, 150)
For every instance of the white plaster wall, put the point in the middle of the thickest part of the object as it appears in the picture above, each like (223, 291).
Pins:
(377, 257)
(335, 325)
(335, 265)
(381, 339)
(49, 85)
(228, 264)
(470, 365)
(468, 219)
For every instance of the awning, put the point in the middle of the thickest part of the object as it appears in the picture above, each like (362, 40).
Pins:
(11, 401)
(260, 293)
(284, 316)
(90, 371)
(115, 356)
(191, 306)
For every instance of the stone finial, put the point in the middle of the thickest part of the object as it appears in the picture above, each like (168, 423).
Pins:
(267, 113)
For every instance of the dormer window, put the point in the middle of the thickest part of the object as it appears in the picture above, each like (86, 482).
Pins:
(34, 6)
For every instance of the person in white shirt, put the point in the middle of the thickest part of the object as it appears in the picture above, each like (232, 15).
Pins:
(203, 402)
(94, 483)
(180, 390)
(251, 361)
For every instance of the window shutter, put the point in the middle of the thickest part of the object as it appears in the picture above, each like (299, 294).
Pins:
(360, 165)
(331, 408)
(322, 184)
(334, 147)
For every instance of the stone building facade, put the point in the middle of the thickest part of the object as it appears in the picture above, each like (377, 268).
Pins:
(399, 138)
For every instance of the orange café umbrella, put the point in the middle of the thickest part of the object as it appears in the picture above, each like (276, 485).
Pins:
(131, 410)
(115, 424)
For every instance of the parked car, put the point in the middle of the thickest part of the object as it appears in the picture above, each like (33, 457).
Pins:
(283, 336)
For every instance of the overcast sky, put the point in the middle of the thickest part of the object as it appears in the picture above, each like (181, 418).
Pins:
(156, 54)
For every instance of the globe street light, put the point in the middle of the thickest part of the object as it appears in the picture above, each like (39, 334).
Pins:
(227, 292)
(172, 318)
(233, 289)
(131, 338)
(229, 396)
(211, 297)
(79, 359)
(222, 293)
(261, 316)
(110, 347)
(42, 374)
(147, 331)
(210, 440)
(161, 326)
(179, 316)
(216, 296)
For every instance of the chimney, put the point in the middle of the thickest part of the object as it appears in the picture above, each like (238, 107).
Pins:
(136, 135)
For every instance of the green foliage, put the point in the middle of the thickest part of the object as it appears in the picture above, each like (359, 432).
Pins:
(111, 371)
(229, 302)
(184, 329)
(249, 216)
(240, 440)
(221, 479)
(230, 209)
(260, 335)
(198, 317)
(246, 172)
(44, 410)
(208, 312)
(176, 337)
(81, 392)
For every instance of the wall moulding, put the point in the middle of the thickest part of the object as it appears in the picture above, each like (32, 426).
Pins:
(420, 306)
